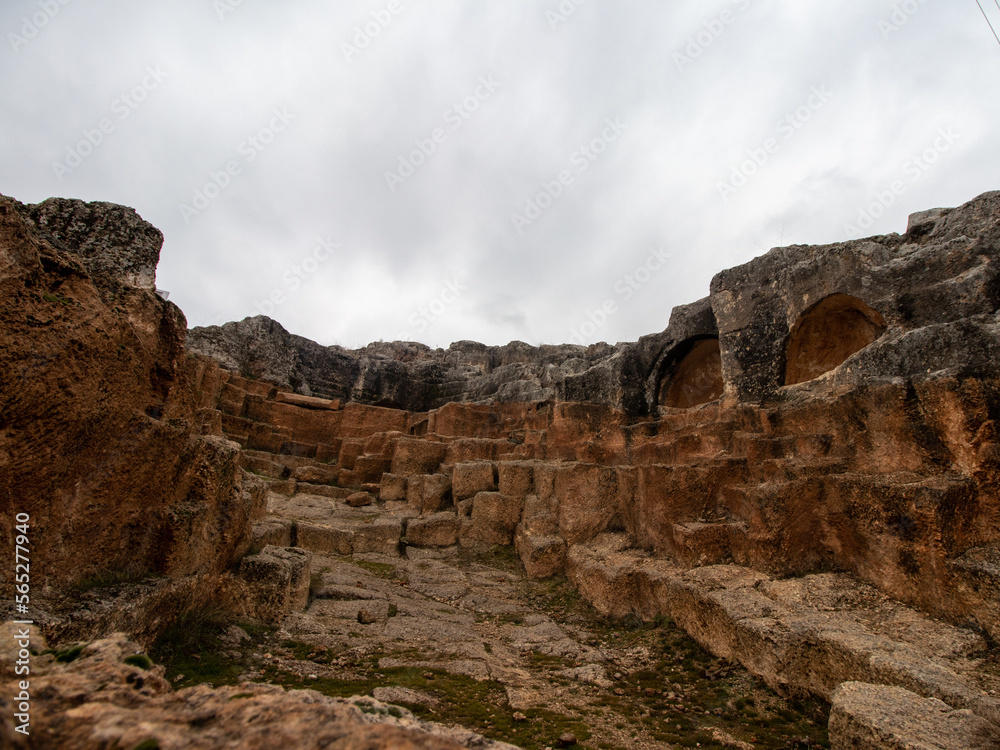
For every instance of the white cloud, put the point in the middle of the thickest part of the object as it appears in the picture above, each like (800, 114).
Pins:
(655, 186)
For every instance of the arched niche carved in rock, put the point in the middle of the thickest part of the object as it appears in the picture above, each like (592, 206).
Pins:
(827, 334)
(696, 376)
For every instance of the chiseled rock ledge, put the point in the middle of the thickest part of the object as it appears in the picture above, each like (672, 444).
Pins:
(810, 634)
(877, 717)
(101, 700)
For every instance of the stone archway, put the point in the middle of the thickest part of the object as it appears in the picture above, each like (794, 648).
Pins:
(696, 376)
(827, 334)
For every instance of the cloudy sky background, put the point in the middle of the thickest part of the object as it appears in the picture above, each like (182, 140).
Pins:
(698, 88)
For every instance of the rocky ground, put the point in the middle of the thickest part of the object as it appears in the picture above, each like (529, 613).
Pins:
(462, 637)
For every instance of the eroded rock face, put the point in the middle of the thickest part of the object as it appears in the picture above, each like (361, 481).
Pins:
(927, 300)
(113, 242)
(101, 420)
(99, 700)
(826, 415)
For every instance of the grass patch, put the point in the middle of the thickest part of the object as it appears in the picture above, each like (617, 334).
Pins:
(501, 557)
(192, 649)
(382, 570)
(69, 653)
(110, 578)
(480, 706)
(139, 660)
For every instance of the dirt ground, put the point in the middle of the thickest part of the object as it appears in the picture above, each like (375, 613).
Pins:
(465, 639)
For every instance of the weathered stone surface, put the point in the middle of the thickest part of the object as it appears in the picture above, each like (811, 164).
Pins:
(876, 717)
(517, 478)
(323, 490)
(591, 499)
(392, 488)
(307, 402)
(495, 517)
(417, 457)
(436, 496)
(99, 701)
(102, 440)
(359, 499)
(809, 634)
(316, 474)
(471, 478)
(325, 539)
(277, 581)
(437, 530)
(272, 531)
(542, 556)
(116, 246)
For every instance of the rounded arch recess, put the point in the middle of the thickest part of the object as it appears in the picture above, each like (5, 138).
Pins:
(695, 377)
(828, 333)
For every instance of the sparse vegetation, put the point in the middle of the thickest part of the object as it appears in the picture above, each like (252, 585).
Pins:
(139, 660)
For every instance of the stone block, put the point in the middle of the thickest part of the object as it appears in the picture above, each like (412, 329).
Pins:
(277, 581)
(369, 469)
(591, 499)
(879, 717)
(262, 466)
(436, 493)
(517, 478)
(540, 516)
(306, 402)
(324, 540)
(417, 456)
(349, 452)
(495, 517)
(231, 400)
(542, 556)
(272, 531)
(415, 492)
(437, 530)
(392, 488)
(469, 479)
(316, 474)
(381, 535)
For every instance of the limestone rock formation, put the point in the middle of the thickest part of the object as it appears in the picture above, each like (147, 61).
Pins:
(101, 420)
(824, 411)
(801, 469)
(108, 696)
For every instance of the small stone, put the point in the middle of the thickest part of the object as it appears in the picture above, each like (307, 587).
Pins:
(365, 617)
(619, 691)
(313, 677)
(359, 500)
(428, 675)
(567, 739)
(518, 716)
(618, 675)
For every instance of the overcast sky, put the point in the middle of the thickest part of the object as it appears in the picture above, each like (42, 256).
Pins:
(493, 169)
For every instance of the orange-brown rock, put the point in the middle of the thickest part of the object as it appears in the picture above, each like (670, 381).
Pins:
(102, 444)
(99, 700)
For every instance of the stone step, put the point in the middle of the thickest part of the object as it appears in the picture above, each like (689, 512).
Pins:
(877, 717)
(807, 634)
